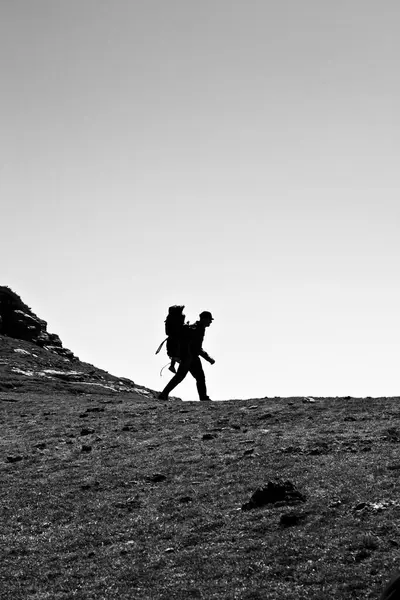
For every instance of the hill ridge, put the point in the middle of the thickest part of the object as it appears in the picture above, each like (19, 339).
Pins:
(32, 359)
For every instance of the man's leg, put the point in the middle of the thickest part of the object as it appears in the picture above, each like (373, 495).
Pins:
(181, 373)
(196, 369)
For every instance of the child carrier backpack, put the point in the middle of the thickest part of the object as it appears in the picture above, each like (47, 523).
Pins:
(174, 324)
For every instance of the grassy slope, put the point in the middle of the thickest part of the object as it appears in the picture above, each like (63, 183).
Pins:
(98, 524)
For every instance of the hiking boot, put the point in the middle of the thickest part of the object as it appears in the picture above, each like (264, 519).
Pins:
(162, 396)
(206, 399)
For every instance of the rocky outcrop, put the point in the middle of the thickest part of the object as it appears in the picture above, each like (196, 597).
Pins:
(34, 360)
(26, 367)
(18, 321)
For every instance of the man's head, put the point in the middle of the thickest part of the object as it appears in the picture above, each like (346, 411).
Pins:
(206, 318)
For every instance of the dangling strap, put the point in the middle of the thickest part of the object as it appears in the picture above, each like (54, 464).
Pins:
(161, 345)
(167, 365)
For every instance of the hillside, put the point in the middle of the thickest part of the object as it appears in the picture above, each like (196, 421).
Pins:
(116, 496)
(108, 494)
(32, 359)
(26, 367)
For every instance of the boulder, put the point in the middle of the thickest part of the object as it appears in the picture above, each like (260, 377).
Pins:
(18, 321)
(275, 492)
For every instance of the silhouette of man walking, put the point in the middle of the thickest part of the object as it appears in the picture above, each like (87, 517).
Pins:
(192, 349)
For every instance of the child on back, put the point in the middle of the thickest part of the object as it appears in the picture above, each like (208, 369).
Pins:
(174, 329)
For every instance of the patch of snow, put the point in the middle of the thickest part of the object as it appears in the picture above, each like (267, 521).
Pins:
(140, 391)
(383, 504)
(108, 387)
(56, 372)
(21, 351)
(21, 372)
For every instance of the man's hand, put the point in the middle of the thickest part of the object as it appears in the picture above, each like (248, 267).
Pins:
(211, 361)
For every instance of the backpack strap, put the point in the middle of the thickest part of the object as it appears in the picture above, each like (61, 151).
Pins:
(161, 345)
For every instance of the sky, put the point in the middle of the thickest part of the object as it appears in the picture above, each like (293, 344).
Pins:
(237, 156)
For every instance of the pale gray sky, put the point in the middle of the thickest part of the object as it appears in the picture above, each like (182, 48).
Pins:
(239, 157)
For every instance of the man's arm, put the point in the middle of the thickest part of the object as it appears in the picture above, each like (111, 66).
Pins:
(206, 357)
